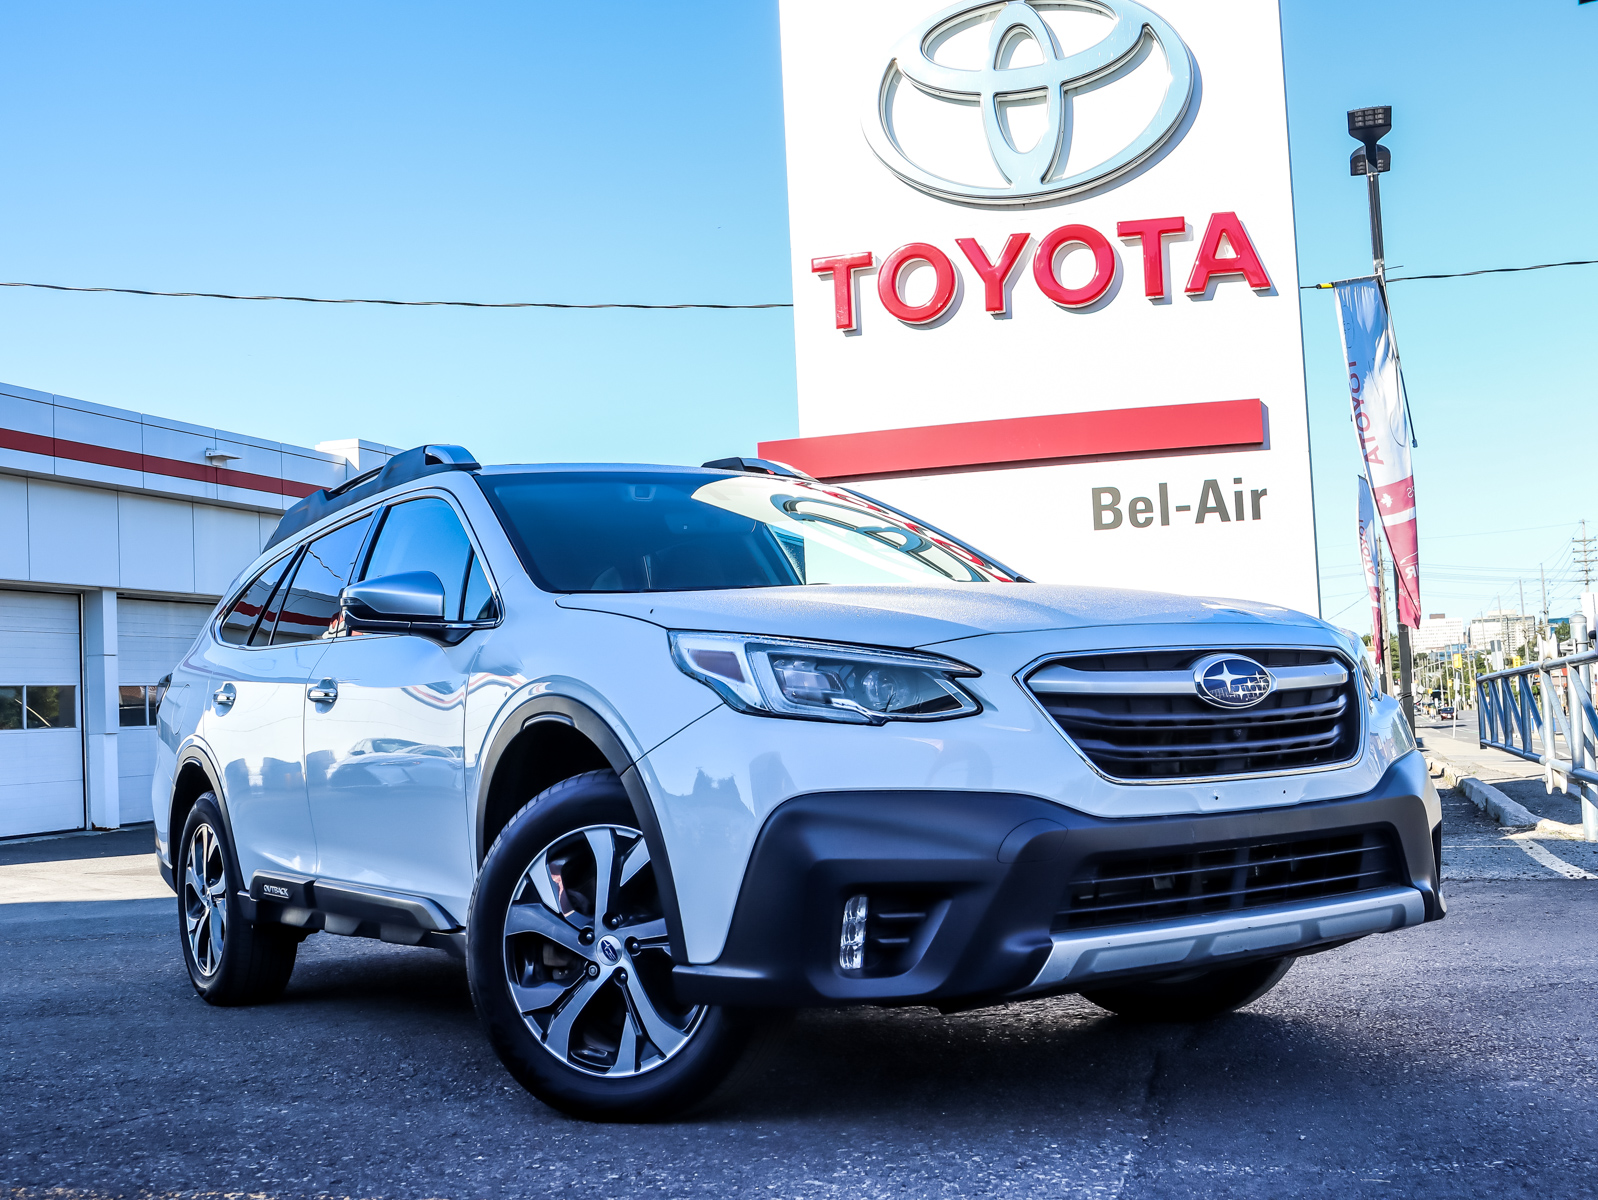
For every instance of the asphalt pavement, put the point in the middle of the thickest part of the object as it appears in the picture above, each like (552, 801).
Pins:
(1458, 1059)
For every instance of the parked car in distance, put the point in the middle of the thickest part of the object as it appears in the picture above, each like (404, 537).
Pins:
(1445, 712)
(663, 751)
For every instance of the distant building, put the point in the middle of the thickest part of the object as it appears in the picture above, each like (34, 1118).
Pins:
(1437, 632)
(1504, 628)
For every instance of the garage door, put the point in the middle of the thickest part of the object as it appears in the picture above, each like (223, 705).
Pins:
(41, 743)
(152, 636)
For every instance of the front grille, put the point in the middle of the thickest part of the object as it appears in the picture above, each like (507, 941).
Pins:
(1139, 717)
(1129, 889)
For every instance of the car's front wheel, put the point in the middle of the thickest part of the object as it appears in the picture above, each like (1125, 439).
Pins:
(570, 965)
(1196, 996)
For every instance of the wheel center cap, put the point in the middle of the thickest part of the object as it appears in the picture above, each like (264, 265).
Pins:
(610, 949)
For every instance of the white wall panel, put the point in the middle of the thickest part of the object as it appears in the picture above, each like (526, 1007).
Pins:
(26, 416)
(186, 447)
(157, 544)
(225, 540)
(13, 526)
(72, 534)
(98, 429)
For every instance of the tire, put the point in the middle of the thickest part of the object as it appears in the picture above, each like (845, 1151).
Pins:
(582, 1012)
(230, 960)
(1188, 998)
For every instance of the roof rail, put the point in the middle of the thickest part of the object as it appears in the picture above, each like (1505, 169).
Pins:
(757, 466)
(409, 465)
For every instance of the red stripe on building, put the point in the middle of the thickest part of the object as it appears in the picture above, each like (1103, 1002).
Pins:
(150, 464)
(1022, 441)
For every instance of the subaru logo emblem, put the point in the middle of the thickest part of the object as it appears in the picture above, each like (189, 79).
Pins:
(609, 948)
(1232, 681)
(1032, 175)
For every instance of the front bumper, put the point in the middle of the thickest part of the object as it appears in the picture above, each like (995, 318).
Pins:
(987, 873)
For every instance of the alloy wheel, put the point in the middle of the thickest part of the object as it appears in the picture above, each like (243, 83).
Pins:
(586, 955)
(205, 900)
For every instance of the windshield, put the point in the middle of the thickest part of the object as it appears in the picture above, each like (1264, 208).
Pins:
(667, 531)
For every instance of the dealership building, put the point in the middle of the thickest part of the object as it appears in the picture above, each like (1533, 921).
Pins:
(118, 533)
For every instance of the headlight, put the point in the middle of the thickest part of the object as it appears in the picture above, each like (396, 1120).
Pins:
(825, 682)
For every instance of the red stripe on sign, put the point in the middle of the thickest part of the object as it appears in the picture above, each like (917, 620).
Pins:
(150, 464)
(1020, 441)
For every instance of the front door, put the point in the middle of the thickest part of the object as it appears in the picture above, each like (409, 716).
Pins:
(383, 750)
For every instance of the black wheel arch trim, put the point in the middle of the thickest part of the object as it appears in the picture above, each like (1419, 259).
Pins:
(196, 754)
(597, 730)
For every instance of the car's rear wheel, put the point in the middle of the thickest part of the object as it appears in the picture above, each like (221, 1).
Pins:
(230, 960)
(1195, 996)
(570, 964)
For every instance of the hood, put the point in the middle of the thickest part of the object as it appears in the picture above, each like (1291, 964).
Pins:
(909, 615)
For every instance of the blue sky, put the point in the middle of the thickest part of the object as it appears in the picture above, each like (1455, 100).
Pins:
(508, 151)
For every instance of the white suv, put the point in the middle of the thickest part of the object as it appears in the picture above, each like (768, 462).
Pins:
(659, 750)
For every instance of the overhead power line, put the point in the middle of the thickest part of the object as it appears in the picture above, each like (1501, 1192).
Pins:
(61, 287)
(1577, 262)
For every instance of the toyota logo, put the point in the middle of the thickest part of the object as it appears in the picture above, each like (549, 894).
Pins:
(1032, 175)
(1232, 681)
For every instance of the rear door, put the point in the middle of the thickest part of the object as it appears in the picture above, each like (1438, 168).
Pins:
(270, 643)
(384, 762)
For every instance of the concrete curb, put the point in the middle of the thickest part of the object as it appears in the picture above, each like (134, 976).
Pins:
(1499, 806)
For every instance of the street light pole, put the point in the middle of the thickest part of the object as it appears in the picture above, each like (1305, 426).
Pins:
(1369, 126)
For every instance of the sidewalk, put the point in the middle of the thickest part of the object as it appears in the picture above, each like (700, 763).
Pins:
(1518, 779)
(85, 867)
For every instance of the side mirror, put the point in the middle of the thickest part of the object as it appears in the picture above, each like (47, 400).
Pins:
(402, 603)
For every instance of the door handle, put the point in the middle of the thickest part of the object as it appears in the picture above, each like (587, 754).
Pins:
(224, 696)
(323, 692)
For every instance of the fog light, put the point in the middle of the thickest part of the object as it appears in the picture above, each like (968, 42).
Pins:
(852, 943)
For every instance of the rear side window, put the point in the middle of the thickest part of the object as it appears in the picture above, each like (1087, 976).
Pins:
(241, 618)
(309, 607)
(425, 535)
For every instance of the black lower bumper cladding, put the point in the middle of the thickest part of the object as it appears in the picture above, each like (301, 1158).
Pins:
(966, 889)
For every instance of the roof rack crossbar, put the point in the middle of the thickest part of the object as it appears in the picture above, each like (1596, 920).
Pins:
(405, 467)
(757, 466)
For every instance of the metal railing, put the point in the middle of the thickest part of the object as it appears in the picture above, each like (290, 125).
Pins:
(1528, 711)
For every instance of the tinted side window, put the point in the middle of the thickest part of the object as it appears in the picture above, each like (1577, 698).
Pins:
(246, 610)
(424, 535)
(309, 608)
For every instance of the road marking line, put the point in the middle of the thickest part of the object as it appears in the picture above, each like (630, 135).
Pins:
(1552, 861)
